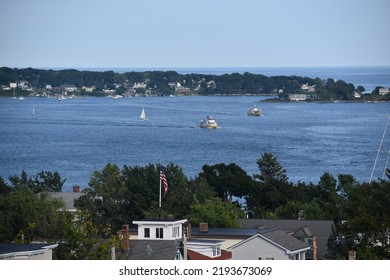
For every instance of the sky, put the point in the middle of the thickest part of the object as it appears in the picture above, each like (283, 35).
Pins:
(194, 33)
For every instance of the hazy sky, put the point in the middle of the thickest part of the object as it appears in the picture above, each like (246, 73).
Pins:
(194, 33)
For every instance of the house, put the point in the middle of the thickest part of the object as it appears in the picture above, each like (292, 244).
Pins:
(68, 198)
(282, 245)
(204, 248)
(383, 91)
(320, 235)
(298, 97)
(157, 239)
(33, 251)
(308, 88)
(231, 236)
(270, 245)
(171, 240)
(68, 88)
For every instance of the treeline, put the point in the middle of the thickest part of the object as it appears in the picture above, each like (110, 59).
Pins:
(166, 83)
(219, 195)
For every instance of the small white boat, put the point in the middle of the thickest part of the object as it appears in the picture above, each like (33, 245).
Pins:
(143, 115)
(254, 111)
(209, 122)
(21, 98)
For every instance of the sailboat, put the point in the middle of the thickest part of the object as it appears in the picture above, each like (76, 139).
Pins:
(33, 112)
(143, 115)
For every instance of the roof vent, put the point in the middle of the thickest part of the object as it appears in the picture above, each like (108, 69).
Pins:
(203, 227)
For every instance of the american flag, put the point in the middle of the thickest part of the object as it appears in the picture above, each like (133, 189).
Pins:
(163, 178)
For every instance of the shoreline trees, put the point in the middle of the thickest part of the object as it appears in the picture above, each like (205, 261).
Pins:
(161, 83)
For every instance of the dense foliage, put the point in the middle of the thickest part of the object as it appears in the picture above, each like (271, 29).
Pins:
(218, 195)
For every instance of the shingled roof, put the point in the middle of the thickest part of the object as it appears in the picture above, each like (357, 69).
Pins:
(322, 229)
(153, 249)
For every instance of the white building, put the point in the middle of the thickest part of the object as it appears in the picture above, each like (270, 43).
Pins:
(384, 91)
(160, 229)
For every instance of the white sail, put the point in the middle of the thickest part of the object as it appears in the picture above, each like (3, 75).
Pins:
(143, 115)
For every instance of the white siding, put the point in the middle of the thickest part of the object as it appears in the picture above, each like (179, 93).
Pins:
(258, 247)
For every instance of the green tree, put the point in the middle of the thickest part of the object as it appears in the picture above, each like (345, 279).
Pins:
(105, 199)
(270, 170)
(43, 181)
(367, 219)
(272, 188)
(216, 213)
(227, 180)
(85, 240)
(26, 216)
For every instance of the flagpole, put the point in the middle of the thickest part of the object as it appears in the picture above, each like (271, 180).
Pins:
(159, 201)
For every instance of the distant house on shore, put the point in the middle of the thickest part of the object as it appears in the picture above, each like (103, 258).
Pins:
(68, 88)
(383, 91)
(298, 97)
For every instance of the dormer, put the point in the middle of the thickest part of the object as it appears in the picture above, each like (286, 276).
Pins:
(160, 229)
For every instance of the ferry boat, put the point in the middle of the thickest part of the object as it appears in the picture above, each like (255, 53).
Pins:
(208, 122)
(254, 111)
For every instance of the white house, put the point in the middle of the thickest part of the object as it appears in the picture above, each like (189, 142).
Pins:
(383, 91)
(298, 97)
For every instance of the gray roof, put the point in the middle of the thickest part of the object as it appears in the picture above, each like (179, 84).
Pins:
(285, 240)
(225, 232)
(153, 249)
(7, 249)
(322, 229)
(303, 232)
(68, 198)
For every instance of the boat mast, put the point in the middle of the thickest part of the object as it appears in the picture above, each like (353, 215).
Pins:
(380, 147)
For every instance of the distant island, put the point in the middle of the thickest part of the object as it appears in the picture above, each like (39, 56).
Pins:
(67, 83)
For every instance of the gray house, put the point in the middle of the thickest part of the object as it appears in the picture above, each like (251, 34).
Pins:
(320, 235)
(270, 245)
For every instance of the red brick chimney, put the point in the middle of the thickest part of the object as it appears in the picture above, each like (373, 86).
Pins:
(203, 227)
(76, 188)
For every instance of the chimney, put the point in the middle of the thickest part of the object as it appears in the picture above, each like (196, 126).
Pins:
(187, 230)
(314, 247)
(125, 234)
(76, 188)
(203, 227)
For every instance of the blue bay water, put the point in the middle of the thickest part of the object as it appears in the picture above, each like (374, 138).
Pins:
(77, 136)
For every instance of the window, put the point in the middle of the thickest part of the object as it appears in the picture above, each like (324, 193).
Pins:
(175, 232)
(160, 233)
(146, 232)
(216, 251)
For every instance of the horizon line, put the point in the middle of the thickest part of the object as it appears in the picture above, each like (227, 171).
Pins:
(193, 67)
